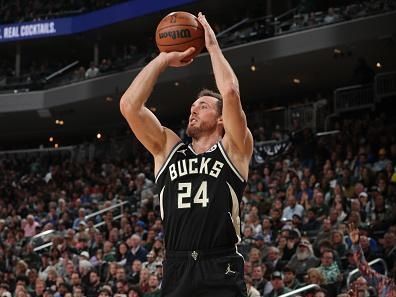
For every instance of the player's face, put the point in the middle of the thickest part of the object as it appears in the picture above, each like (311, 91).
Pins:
(204, 116)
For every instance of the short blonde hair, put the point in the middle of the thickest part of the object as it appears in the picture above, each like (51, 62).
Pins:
(316, 272)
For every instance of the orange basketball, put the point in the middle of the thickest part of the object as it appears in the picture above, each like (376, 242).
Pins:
(178, 31)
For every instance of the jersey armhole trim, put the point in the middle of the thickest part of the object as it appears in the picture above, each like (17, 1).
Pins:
(223, 152)
(175, 148)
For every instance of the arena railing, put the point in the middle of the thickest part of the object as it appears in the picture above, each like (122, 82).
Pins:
(110, 208)
(45, 236)
(44, 233)
(309, 115)
(220, 34)
(62, 70)
(371, 263)
(38, 150)
(354, 98)
(105, 210)
(304, 114)
(283, 19)
(303, 289)
(43, 246)
(385, 85)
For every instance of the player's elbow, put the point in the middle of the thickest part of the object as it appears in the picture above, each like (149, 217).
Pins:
(231, 92)
(126, 107)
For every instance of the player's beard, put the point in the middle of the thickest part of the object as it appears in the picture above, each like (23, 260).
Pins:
(196, 130)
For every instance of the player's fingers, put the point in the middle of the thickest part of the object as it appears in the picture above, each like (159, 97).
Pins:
(202, 19)
(189, 51)
(187, 62)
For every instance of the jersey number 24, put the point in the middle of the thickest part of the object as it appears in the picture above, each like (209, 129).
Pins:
(184, 195)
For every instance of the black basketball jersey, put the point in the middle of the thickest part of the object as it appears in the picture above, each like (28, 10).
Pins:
(199, 199)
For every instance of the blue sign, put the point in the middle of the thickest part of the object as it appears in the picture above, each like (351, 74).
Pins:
(85, 22)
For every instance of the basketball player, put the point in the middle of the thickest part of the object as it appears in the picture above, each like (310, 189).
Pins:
(200, 184)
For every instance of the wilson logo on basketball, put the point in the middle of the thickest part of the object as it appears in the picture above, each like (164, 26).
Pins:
(185, 33)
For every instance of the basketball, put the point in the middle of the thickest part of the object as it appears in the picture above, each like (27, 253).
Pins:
(178, 31)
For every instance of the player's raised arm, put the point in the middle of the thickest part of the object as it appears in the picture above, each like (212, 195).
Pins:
(157, 139)
(234, 119)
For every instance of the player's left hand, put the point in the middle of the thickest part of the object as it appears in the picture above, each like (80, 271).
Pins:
(210, 36)
(177, 59)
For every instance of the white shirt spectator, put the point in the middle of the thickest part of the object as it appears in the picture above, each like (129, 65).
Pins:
(292, 209)
(30, 227)
(92, 71)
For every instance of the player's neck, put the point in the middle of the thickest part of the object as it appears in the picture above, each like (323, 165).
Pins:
(204, 143)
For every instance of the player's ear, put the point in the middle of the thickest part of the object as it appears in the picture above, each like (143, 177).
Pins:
(220, 120)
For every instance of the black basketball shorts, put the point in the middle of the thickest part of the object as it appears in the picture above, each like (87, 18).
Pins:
(214, 273)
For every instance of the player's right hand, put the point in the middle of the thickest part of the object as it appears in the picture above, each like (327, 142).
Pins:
(178, 59)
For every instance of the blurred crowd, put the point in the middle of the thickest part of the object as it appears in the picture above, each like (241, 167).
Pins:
(305, 14)
(295, 216)
(35, 10)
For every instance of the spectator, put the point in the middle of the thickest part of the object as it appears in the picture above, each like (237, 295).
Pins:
(92, 71)
(382, 161)
(80, 220)
(251, 290)
(303, 259)
(324, 233)
(384, 285)
(151, 263)
(108, 252)
(292, 208)
(105, 291)
(311, 224)
(278, 287)
(136, 250)
(143, 280)
(314, 276)
(273, 262)
(329, 268)
(331, 16)
(389, 249)
(31, 226)
(290, 280)
(121, 275)
(258, 280)
(337, 242)
(322, 209)
(93, 287)
(105, 65)
(153, 290)
(134, 292)
(122, 254)
(247, 241)
(135, 271)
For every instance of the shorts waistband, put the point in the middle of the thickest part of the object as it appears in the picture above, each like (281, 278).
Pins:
(200, 254)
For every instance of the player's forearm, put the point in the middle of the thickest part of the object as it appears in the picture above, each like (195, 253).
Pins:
(142, 86)
(225, 77)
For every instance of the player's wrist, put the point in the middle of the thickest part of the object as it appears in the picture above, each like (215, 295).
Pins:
(213, 48)
(163, 60)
